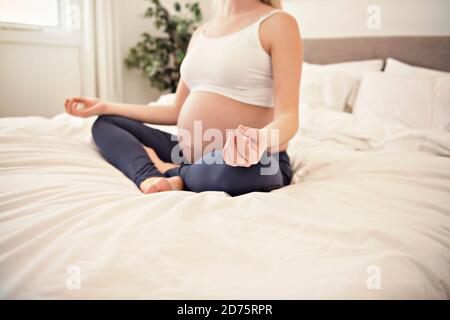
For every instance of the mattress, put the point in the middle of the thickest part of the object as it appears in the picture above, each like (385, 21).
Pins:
(365, 217)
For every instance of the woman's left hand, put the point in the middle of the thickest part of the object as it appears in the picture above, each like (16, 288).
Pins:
(244, 147)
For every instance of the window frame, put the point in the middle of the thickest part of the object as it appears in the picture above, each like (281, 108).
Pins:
(29, 26)
(62, 34)
(82, 39)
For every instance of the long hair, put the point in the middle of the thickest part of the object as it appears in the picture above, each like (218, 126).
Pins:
(218, 5)
(274, 3)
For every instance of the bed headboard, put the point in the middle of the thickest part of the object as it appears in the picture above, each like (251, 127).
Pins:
(427, 52)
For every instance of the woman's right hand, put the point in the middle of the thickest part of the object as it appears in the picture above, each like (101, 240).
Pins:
(92, 107)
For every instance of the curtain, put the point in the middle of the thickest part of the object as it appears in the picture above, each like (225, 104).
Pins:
(108, 55)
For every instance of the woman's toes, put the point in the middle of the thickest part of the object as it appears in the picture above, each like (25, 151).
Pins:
(163, 185)
(157, 185)
(148, 185)
(150, 189)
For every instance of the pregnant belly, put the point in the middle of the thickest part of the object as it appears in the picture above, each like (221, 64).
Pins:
(205, 118)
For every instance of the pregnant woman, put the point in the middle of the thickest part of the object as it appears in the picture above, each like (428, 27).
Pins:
(236, 108)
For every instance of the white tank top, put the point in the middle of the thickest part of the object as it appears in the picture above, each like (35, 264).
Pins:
(235, 66)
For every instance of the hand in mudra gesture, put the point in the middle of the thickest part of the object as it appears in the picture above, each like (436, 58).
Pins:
(244, 147)
(92, 107)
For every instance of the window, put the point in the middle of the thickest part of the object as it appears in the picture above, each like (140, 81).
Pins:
(45, 21)
(43, 13)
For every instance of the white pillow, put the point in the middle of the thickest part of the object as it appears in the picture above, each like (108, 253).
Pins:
(356, 69)
(349, 72)
(400, 102)
(397, 67)
(321, 88)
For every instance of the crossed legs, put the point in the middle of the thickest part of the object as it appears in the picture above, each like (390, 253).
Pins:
(144, 155)
(122, 142)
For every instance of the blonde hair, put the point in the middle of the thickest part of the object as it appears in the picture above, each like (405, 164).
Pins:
(218, 5)
(274, 3)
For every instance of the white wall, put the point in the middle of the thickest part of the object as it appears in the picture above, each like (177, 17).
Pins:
(40, 68)
(35, 79)
(131, 24)
(347, 18)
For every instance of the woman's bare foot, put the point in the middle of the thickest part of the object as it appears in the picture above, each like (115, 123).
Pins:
(160, 184)
(159, 164)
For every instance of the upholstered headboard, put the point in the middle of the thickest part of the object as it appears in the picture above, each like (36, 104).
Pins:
(427, 52)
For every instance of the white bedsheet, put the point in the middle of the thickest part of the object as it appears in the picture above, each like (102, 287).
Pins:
(358, 204)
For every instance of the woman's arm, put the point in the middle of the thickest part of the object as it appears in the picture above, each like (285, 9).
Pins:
(156, 114)
(283, 36)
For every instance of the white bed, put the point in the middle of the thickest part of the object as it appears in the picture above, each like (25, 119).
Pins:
(362, 219)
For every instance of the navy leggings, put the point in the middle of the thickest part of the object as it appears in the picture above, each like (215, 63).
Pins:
(120, 141)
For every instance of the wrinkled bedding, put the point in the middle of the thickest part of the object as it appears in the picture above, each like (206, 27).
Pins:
(362, 210)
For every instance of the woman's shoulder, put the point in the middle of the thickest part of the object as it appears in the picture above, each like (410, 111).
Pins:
(279, 19)
(195, 34)
(279, 24)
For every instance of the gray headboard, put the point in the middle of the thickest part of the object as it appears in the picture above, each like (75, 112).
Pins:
(427, 52)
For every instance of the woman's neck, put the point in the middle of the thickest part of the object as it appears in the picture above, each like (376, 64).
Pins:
(238, 7)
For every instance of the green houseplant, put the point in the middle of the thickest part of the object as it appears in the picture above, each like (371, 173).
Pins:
(160, 57)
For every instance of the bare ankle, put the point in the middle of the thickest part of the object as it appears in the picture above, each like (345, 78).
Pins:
(176, 182)
(162, 166)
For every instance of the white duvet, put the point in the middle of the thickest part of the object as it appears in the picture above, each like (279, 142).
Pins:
(365, 217)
